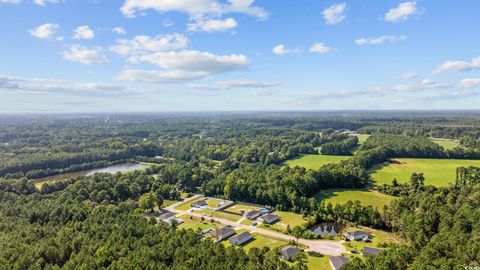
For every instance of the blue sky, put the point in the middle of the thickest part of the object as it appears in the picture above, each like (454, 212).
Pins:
(204, 55)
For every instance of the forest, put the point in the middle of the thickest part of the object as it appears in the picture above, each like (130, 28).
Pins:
(96, 222)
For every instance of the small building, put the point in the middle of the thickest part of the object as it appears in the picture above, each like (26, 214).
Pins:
(357, 235)
(369, 251)
(337, 262)
(241, 238)
(223, 233)
(288, 252)
(252, 214)
(270, 218)
(169, 218)
(199, 204)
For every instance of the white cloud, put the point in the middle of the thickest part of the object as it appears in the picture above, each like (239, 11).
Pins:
(409, 75)
(320, 48)
(281, 50)
(458, 66)
(83, 32)
(263, 93)
(402, 12)
(41, 85)
(226, 85)
(470, 83)
(10, 1)
(195, 8)
(212, 25)
(379, 40)
(84, 55)
(335, 13)
(44, 31)
(119, 30)
(181, 66)
(147, 44)
(43, 2)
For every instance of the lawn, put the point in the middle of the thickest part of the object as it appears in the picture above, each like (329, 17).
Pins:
(446, 143)
(378, 237)
(194, 223)
(219, 214)
(314, 161)
(317, 261)
(437, 172)
(238, 208)
(187, 205)
(362, 138)
(286, 219)
(366, 197)
(261, 241)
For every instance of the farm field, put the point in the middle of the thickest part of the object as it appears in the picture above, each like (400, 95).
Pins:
(445, 143)
(437, 172)
(315, 162)
(366, 197)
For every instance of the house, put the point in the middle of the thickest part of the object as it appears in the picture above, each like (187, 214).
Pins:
(288, 252)
(199, 204)
(337, 262)
(239, 239)
(223, 233)
(357, 235)
(252, 214)
(369, 251)
(270, 218)
(169, 217)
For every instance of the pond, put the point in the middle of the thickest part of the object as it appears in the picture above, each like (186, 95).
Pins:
(124, 167)
(327, 228)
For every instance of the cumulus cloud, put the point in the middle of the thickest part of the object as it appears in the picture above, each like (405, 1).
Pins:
(147, 44)
(458, 66)
(41, 86)
(226, 85)
(281, 50)
(379, 40)
(181, 66)
(470, 83)
(335, 13)
(83, 32)
(119, 30)
(320, 48)
(84, 55)
(402, 12)
(409, 75)
(195, 8)
(212, 25)
(44, 31)
(43, 2)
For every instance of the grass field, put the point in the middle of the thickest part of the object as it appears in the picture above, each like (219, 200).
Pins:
(437, 172)
(187, 205)
(362, 138)
(194, 223)
(378, 237)
(445, 143)
(366, 197)
(219, 214)
(315, 162)
(317, 261)
(238, 208)
(286, 219)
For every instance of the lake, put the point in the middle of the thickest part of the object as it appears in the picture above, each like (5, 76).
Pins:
(124, 167)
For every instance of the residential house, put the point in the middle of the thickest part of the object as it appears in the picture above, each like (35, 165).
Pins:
(369, 251)
(200, 203)
(223, 233)
(288, 252)
(357, 235)
(241, 238)
(252, 214)
(337, 262)
(169, 217)
(270, 218)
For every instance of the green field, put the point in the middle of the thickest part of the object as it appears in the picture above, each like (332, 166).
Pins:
(315, 162)
(362, 138)
(437, 172)
(445, 143)
(366, 197)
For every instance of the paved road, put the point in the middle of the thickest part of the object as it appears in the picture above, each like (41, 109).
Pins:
(325, 247)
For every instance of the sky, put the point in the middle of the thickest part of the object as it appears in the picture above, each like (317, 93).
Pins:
(238, 55)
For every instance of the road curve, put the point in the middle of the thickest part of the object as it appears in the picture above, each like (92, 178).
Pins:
(325, 247)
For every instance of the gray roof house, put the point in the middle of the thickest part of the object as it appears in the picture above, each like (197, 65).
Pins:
(270, 218)
(169, 218)
(199, 204)
(288, 252)
(241, 238)
(369, 251)
(223, 233)
(252, 214)
(337, 262)
(357, 235)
